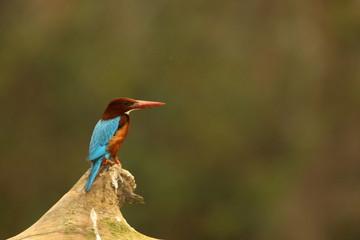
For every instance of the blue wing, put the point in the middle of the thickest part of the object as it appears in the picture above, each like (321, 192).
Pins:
(102, 133)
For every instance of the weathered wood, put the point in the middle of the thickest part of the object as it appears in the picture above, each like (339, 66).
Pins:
(91, 215)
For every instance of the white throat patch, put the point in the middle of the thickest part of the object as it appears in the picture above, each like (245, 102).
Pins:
(130, 111)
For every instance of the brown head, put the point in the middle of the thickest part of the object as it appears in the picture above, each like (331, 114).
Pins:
(121, 106)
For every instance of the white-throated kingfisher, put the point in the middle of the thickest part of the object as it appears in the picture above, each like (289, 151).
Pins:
(110, 132)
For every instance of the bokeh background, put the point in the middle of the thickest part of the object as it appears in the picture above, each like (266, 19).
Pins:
(260, 137)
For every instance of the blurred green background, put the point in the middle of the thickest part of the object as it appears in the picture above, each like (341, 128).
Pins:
(260, 135)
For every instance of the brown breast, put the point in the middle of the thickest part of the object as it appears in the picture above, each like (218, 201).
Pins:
(116, 141)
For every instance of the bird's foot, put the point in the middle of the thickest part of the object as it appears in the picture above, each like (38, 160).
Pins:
(106, 161)
(116, 160)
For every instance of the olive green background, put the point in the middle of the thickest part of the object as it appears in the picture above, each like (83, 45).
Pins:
(260, 137)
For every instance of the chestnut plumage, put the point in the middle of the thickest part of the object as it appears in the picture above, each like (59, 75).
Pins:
(120, 106)
(110, 132)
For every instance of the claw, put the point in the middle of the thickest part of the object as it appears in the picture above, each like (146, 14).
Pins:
(106, 161)
(116, 160)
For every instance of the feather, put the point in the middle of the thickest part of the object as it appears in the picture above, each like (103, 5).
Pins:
(95, 166)
(103, 131)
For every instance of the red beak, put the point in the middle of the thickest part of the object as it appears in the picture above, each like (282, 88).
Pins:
(145, 104)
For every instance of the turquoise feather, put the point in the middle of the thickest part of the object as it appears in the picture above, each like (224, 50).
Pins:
(103, 131)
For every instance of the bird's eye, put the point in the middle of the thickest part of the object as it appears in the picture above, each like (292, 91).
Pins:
(126, 103)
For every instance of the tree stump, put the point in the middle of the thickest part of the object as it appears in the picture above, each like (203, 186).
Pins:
(90, 215)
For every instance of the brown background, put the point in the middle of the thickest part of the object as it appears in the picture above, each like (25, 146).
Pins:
(260, 135)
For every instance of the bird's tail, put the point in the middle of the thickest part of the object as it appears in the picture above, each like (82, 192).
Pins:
(93, 172)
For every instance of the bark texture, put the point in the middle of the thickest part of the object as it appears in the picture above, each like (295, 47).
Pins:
(90, 215)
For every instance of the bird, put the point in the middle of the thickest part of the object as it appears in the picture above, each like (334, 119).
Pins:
(110, 132)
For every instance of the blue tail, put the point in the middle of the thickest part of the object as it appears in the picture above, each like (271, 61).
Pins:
(93, 172)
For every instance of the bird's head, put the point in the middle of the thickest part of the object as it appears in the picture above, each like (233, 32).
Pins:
(120, 106)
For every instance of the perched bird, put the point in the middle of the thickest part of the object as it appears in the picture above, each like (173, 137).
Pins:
(110, 132)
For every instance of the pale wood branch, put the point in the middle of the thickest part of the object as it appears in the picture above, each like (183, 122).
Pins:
(90, 215)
